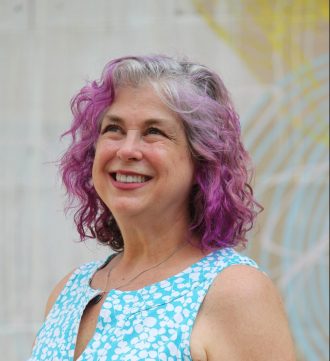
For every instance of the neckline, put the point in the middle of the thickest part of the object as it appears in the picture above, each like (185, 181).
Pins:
(152, 285)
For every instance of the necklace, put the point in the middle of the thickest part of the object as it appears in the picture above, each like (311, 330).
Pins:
(99, 297)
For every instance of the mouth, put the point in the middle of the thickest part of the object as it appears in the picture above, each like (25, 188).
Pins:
(129, 178)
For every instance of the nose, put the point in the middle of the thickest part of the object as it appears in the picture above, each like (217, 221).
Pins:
(130, 147)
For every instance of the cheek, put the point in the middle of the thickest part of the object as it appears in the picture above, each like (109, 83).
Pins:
(94, 170)
(103, 152)
(95, 178)
(98, 175)
(100, 159)
(188, 167)
(183, 168)
(185, 159)
(96, 162)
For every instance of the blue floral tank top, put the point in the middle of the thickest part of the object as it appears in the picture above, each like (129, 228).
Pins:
(152, 323)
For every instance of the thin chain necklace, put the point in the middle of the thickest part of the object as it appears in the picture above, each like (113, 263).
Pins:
(105, 291)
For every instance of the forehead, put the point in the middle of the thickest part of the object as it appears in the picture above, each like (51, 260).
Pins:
(140, 103)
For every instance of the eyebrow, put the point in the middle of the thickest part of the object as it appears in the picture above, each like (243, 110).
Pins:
(147, 122)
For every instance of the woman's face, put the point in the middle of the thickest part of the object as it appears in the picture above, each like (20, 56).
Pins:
(142, 163)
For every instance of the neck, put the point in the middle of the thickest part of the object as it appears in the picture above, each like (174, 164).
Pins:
(151, 248)
(151, 242)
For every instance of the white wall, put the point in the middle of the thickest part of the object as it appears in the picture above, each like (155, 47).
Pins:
(48, 49)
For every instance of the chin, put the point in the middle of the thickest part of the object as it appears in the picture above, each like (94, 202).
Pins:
(126, 209)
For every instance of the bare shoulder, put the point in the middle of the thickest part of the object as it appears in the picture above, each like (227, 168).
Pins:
(240, 283)
(244, 308)
(56, 292)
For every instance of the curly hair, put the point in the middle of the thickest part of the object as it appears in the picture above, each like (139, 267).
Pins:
(221, 205)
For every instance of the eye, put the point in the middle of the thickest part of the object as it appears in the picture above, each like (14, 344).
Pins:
(154, 131)
(113, 128)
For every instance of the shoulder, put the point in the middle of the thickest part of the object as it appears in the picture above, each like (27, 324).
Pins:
(84, 270)
(241, 280)
(229, 256)
(56, 292)
(244, 308)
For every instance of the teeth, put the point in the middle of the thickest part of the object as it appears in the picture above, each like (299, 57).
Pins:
(130, 178)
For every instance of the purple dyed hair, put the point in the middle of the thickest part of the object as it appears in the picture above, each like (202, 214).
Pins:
(222, 206)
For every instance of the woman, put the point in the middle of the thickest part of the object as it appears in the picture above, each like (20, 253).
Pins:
(161, 176)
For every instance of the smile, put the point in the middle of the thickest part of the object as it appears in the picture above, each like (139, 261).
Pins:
(129, 178)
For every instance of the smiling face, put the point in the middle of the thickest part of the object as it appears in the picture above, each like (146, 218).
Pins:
(142, 165)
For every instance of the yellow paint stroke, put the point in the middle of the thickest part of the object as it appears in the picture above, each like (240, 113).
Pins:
(321, 137)
(277, 24)
(218, 30)
(281, 23)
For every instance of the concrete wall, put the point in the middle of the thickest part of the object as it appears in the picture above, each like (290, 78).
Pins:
(273, 57)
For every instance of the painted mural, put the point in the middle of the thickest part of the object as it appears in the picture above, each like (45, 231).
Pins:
(285, 45)
(275, 55)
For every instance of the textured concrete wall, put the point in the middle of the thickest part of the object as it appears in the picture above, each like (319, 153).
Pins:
(273, 57)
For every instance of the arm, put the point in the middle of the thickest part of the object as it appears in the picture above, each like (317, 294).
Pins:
(243, 319)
